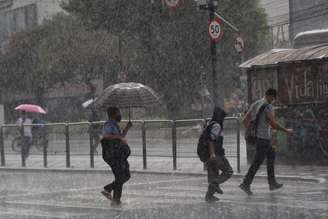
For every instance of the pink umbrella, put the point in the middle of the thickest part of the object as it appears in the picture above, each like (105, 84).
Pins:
(30, 108)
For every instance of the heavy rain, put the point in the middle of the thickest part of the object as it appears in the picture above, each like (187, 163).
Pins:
(164, 109)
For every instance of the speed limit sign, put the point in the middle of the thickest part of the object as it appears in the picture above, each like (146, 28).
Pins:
(172, 3)
(215, 30)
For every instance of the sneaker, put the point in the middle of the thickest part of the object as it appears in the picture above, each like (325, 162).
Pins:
(108, 195)
(211, 198)
(246, 188)
(275, 186)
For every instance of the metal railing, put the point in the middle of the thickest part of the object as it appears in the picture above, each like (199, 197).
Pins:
(170, 126)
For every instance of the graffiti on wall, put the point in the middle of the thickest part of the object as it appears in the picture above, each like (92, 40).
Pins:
(308, 143)
(260, 81)
(303, 83)
(303, 101)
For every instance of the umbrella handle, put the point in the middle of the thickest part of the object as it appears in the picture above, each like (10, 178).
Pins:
(129, 114)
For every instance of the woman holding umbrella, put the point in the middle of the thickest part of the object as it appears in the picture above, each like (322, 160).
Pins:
(26, 131)
(26, 124)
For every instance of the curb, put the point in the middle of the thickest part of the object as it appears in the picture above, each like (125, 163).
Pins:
(151, 172)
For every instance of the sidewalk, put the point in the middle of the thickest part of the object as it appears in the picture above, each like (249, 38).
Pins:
(159, 165)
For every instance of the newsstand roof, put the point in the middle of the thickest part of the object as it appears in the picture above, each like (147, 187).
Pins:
(275, 56)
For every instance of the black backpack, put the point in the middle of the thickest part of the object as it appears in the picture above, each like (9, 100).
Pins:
(203, 142)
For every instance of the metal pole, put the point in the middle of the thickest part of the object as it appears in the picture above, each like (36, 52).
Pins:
(174, 144)
(144, 146)
(22, 145)
(238, 145)
(217, 96)
(227, 22)
(204, 165)
(68, 156)
(2, 149)
(92, 160)
(45, 153)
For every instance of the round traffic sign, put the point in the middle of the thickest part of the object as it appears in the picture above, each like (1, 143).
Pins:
(239, 44)
(172, 3)
(215, 30)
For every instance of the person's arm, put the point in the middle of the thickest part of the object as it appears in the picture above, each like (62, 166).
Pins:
(127, 128)
(114, 137)
(214, 134)
(211, 147)
(275, 125)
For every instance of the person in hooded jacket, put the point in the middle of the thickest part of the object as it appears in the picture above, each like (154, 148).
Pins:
(217, 160)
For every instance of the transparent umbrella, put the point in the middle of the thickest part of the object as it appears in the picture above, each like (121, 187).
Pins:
(128, 95)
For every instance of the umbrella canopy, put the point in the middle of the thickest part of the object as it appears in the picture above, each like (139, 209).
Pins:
(30, 108)
(128, 95)
(87, 103)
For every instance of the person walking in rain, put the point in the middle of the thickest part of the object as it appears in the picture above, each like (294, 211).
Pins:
(217, 160)
(115, 153)
(263, 112)
(26, 131)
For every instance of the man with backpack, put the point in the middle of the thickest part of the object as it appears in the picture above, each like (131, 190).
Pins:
(258, 121)
(210, 150)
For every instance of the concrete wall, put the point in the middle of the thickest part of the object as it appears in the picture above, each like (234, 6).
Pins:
(308, 15)
(277, 11)
(45, 8)
(278, 20)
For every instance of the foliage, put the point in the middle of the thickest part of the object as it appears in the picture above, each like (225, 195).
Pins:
(171, 47)
(59, 51)
(166, 49)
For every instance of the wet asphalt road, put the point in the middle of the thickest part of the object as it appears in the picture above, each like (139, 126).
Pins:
(75, 195)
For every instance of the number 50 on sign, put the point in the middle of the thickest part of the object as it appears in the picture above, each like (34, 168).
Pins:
(215, 30)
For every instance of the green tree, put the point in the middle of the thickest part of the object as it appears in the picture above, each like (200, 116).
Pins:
(168, 49)
(58, 52)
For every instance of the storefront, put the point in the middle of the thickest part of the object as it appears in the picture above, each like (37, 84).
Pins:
(301, 78)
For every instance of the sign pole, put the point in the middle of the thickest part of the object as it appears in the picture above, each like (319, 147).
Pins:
(216, 86)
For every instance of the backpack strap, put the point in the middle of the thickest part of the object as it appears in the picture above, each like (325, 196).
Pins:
(257, 119)
(210, 126)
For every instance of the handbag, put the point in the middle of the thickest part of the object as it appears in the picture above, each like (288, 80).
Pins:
(114, 150)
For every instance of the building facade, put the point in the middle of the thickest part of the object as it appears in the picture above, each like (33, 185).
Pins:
(16, 15)
(306, 15)
(287, 18)
(278, 19)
